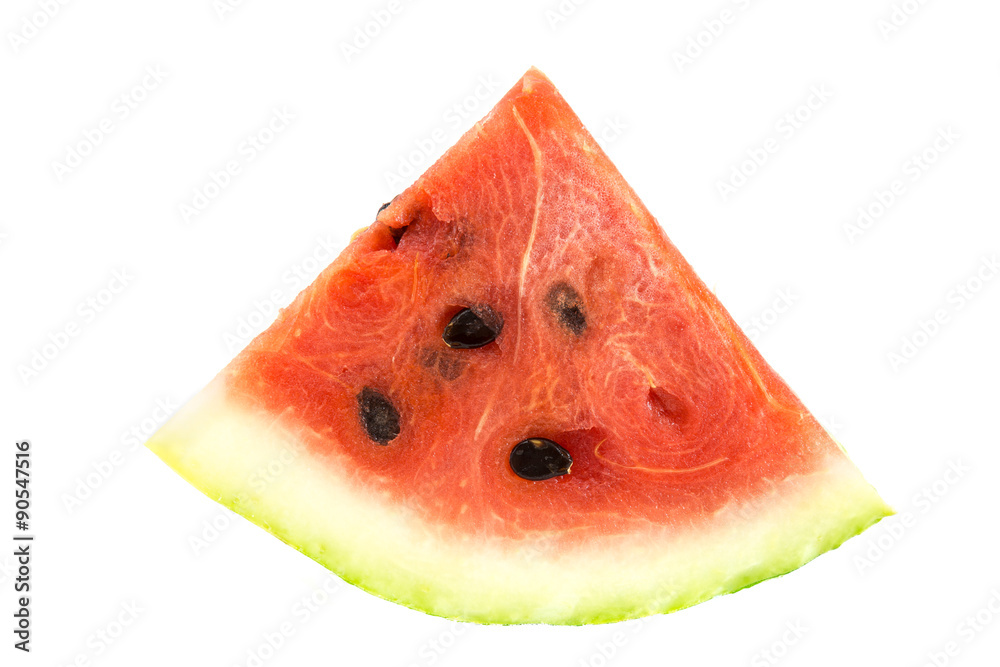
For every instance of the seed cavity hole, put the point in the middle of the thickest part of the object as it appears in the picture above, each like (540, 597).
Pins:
(472, 327)
(379, 416)
(537, 459)
(668, 406)
(397, 233)
(566, 304)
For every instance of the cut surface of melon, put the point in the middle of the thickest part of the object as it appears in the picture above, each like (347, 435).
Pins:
(696, 471)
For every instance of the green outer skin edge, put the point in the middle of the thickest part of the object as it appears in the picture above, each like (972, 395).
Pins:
(185, 455)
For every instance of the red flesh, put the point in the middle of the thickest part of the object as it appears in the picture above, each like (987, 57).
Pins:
(667, 409)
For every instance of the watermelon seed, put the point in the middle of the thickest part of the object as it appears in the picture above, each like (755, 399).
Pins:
(536, 459)
(386, 205)
(469, 329)
(567, 305)
(378, 416)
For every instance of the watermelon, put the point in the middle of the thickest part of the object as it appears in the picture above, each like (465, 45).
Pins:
(511, 400)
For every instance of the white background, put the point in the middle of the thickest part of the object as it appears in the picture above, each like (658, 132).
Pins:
(894, 596)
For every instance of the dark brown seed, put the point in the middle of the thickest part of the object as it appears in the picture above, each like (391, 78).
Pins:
(470, 328)
(386, 205)
(378, 416)
(536, 459)
(566, 304)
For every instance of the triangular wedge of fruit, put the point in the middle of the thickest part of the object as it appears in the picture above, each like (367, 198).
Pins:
(511, 400)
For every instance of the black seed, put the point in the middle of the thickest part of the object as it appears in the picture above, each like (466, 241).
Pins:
(567, 305)
(386, 205)
(378, 416)
(536, 459)
(472, 328)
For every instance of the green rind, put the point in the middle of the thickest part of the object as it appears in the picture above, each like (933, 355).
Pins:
(258, 467)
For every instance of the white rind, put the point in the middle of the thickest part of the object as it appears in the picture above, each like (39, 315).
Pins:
(261, 469)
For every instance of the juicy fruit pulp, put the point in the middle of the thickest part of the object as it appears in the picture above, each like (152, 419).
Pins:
(520, 292)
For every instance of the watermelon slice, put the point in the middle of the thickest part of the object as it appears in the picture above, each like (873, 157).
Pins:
(511, 400)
